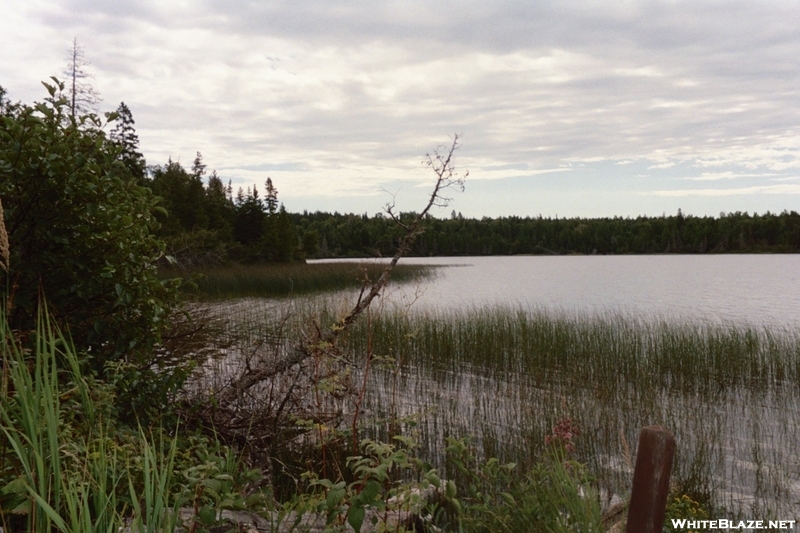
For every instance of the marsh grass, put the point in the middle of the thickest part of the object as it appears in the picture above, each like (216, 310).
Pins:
(61, 466)
(727, 391)
(506, 375)
(282, 280)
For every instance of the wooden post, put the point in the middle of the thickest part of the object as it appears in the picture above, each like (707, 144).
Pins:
(651, 480)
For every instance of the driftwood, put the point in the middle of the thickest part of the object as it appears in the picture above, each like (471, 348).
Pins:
(404, 513)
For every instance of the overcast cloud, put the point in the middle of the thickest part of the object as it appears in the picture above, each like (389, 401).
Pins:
(570, 108)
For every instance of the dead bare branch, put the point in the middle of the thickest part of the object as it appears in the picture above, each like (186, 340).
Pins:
(263, 402)
(441, 162)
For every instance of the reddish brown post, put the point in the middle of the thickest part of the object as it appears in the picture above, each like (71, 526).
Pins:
(651, 480)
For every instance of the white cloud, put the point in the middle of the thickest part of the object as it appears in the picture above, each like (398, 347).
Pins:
(727, 175)
(792, 189)
(350, 95)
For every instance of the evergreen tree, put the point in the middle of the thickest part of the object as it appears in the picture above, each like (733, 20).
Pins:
(248, 228)
(4, 103)
(124, 135)
(182, 196)
(271, 197)
(285, 237)
(198, 168)
(219, 207)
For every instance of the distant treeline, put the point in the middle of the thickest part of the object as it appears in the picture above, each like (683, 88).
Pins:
(359, 235)
(205, 222)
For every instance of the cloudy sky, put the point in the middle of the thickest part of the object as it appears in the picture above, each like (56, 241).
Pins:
(567, 108)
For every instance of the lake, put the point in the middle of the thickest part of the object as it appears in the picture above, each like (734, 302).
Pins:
(501, 348)
(759, 289)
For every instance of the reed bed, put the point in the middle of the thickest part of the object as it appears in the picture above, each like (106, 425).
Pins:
(506, 375)
(283, 280)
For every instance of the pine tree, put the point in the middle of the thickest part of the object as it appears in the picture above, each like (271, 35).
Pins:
(198, 168)
(4, 103)
(124, 135)
(248, 226)
(219, 207)
(271, 197)
(285, 237)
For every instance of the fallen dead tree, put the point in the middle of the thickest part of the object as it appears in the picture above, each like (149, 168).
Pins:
(275, 384)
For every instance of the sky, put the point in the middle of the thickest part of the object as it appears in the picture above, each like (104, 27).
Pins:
(562, 108)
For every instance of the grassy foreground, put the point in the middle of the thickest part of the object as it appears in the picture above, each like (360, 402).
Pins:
(68, 465)
(287, 279)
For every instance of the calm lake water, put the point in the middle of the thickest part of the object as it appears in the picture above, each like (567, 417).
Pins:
(757, 289)
(741, 439)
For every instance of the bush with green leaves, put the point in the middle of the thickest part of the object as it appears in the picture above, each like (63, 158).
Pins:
(81, 232)
(681, 506)
(555, 496)
(390, 490)
(66, 464)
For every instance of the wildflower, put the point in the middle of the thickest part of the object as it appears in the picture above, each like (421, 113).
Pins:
(562, 435)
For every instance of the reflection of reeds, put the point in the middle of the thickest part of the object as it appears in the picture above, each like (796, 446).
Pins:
(506, 375)
(280, 280)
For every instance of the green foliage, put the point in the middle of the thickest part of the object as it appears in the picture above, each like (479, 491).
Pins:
(152, 511)
(554, 496)
(682, 506)
(349, 235)
(380, 493)
(68, 465)
(62, 469)
(387, 485)
(204, 225)
(124, 135)
(81, 231)
(214, 478)
(181, 194)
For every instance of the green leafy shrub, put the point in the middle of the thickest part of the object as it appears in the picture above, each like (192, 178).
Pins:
(554, 496)
(81, 230)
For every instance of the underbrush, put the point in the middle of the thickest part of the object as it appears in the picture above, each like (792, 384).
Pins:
(69, 465)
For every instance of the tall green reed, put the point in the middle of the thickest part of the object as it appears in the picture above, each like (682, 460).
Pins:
(62, 467)
(506, 374)
(31, 418)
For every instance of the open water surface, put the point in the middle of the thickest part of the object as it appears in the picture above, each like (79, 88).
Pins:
(759, 289)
